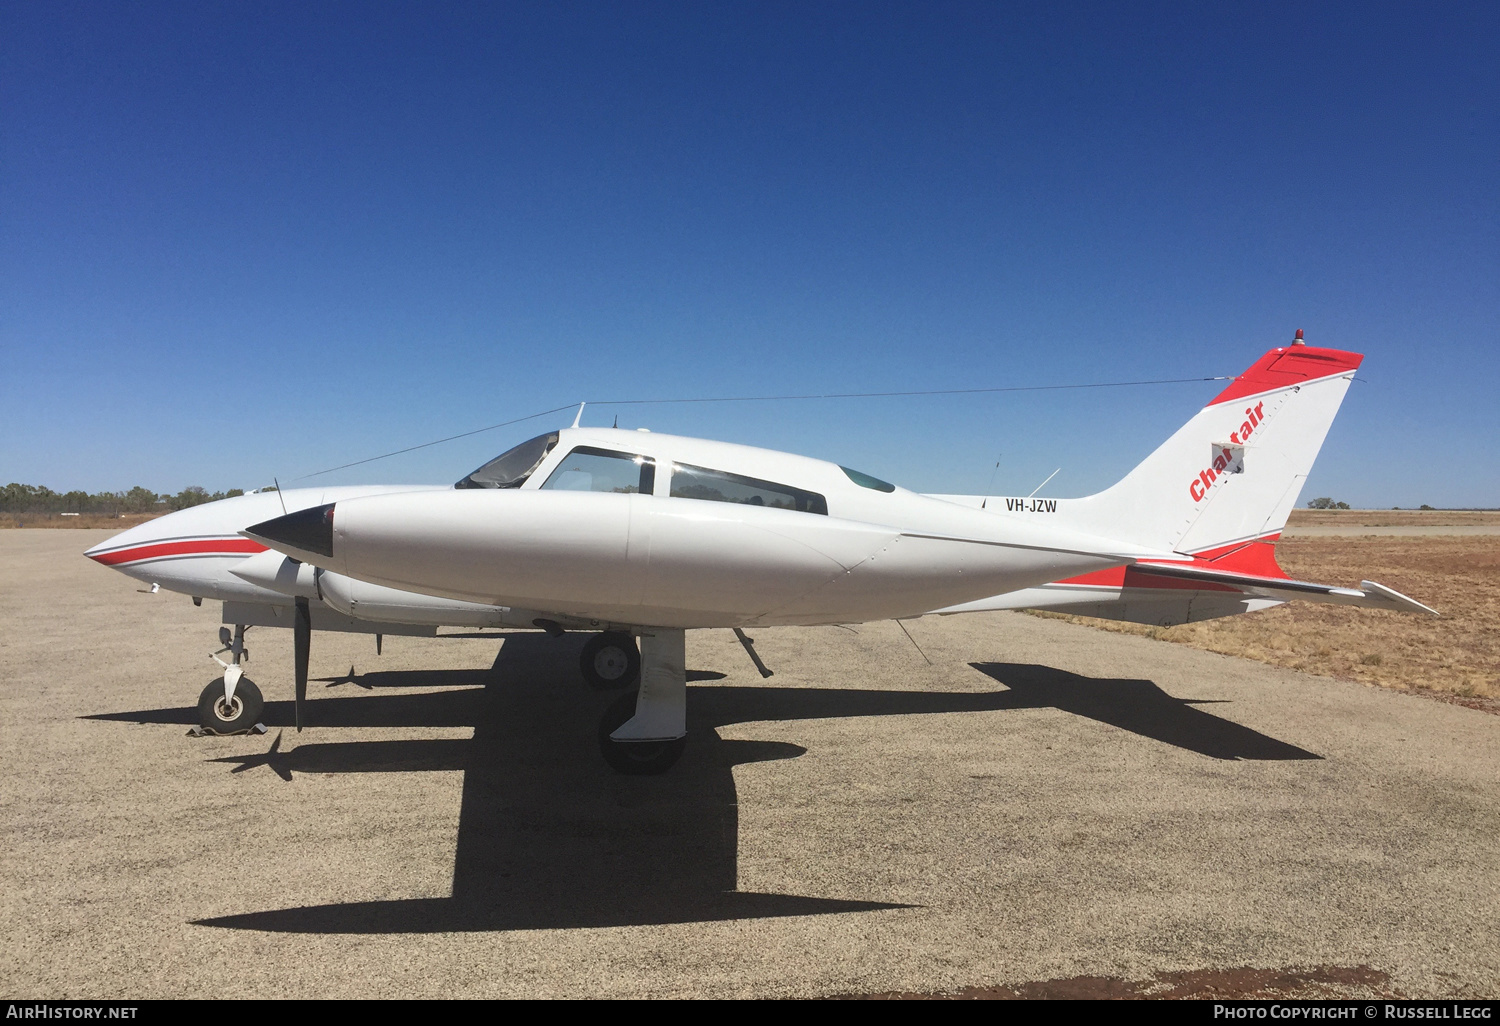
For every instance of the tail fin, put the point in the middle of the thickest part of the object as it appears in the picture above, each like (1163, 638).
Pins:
(1232, 474)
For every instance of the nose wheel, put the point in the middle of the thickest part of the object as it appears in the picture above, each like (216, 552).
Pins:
(231, 704)
(610, 661)
(233, 715)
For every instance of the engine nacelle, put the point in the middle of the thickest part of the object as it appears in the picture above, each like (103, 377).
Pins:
(275, 572)
(375, 602)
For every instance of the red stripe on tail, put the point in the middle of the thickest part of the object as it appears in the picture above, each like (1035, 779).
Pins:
(1281, 368)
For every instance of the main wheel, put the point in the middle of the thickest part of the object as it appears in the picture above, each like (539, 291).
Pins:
(635, 758)
(610, 661)
(240, 714)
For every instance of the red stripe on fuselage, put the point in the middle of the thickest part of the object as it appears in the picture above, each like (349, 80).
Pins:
(208, 547)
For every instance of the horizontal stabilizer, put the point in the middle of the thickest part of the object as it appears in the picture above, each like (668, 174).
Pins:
(1398, 600)
(1369, 594)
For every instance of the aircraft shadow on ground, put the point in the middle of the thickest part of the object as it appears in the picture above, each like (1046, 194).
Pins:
(1140, 707)
(550, 838)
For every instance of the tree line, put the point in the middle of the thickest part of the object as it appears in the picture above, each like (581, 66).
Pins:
(24, 498)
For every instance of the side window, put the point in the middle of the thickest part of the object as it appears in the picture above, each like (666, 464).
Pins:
(587, 469)
(717, 486)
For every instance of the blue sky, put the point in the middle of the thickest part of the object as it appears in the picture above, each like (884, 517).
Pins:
(255, 240)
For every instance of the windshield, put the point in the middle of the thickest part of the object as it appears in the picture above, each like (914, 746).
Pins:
(511, 468)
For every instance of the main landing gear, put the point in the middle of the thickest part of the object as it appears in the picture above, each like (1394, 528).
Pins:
(231, 704)
(644, 732)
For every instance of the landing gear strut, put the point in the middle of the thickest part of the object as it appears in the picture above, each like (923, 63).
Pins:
(232, 703)
(644, 732)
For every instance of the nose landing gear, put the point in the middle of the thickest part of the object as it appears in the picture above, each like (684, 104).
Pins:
(231, 704)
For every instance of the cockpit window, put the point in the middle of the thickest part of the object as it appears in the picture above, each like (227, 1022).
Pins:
(717, 486)
(587, 469)
(511, 468)
(866, 481)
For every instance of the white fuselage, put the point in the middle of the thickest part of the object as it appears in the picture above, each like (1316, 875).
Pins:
(658, 558)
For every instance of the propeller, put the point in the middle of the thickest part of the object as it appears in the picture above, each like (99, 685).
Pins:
(302, 644)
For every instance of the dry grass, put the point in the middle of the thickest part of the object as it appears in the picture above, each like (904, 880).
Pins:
(1393, 518)
(1456, 657)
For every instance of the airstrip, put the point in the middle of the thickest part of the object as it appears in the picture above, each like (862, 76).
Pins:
(1024, 804)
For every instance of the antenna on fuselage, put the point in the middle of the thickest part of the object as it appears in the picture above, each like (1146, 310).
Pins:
(580, 414)
(279, 495)
(913, 641)
(991, 487)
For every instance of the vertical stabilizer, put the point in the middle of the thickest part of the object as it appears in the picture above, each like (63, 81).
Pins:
(1233, 472)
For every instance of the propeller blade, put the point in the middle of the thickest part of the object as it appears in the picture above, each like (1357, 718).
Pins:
(302, 645)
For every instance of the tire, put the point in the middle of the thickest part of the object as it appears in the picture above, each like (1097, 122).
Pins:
(610, 661)
(635, 758)
(243, 713)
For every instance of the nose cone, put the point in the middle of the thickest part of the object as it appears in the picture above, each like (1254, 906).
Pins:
(305, 532)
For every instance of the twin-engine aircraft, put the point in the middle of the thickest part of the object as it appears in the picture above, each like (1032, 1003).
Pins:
(635, 535)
